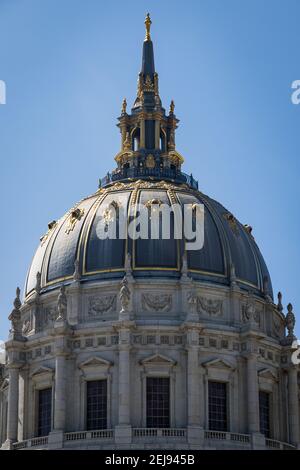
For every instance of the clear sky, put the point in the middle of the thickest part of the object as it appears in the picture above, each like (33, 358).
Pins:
(228, 65)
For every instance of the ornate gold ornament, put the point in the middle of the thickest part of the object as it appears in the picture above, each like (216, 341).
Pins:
(150, 161)
(148, 85)
(75, 215)
(51, 227)
(148, 23)
(152, 202)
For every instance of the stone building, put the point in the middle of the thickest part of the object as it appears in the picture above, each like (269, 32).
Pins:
(141, 343)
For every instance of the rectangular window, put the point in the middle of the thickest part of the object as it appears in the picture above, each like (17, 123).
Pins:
(158, 402)
(264, 413)
(97, 404)
(217, 406)
(44, 411)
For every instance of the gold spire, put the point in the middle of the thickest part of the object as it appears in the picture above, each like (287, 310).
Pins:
(148, 26)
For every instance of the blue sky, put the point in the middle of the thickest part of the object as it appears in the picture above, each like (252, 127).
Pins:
(68, 64)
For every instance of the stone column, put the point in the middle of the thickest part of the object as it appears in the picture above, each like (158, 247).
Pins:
(60, 393)
(56, 437)
(293, 405)
(194, 388)
(13, 406)
(252, 390)
(123, 429)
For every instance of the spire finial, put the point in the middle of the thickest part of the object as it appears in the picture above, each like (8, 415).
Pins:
(148, 26)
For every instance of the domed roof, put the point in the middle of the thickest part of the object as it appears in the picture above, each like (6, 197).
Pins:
(74, 237)
(148, 169)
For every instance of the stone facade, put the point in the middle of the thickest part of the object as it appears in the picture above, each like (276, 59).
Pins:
(186, 343)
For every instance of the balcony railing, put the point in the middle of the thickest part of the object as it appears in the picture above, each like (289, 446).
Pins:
(159, 432)
(82, 435)
(157, 173)
(153, 435)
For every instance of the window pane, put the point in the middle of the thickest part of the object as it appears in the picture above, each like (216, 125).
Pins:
(217, 406)
(264, 413)
(44, 411)
(158, 402)
(97, 404)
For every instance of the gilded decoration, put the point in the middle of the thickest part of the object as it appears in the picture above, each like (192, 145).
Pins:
(74, 217)
(51, 227)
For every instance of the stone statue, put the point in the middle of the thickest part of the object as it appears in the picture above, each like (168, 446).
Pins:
(232, 274)
(62, 304)
(76, 274)
(172, 107)
(279, 305)
(290, 321)
(124, 296)
(124, 106)
(15, 317)
(38, 283)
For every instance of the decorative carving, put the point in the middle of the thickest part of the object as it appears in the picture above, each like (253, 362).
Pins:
(184, 267)
(51, 227)
(15, 317)
(157, 302)
(277, 326)
(45, 318)
(127, 142)
(100, 305)
(75, 215)
(210, 306)
(290, 321)
(249, 313)
(62, 304)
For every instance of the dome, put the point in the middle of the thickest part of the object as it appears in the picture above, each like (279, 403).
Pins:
(72, 241)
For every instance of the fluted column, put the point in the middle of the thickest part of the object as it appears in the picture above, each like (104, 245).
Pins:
(253, 397)
(60, 393)
(13, 404)
(293, 405)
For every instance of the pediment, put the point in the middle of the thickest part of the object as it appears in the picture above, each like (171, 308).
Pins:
(95, 362)
(158, 359)
(266, 373)
(41, 370)
(219, 363)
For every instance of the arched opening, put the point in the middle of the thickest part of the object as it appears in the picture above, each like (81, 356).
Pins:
(162, 141)
(136, 140)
